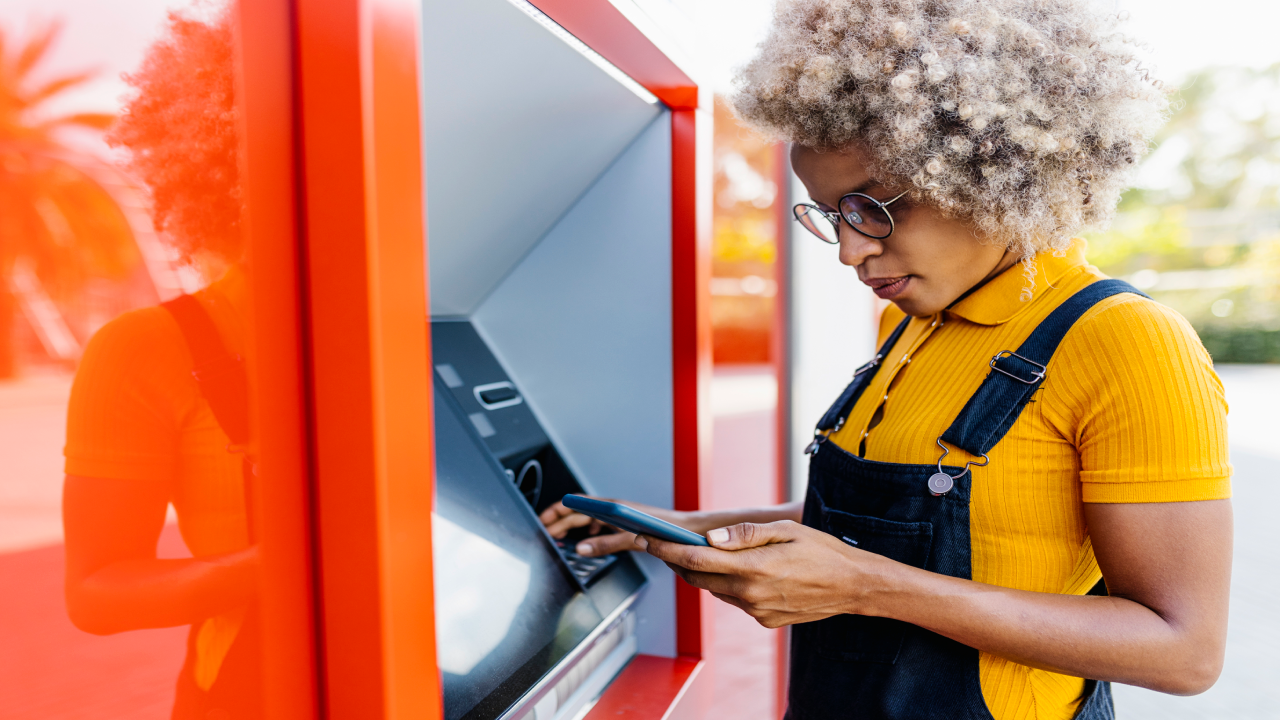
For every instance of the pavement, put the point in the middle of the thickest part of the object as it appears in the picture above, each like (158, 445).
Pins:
(33, 419)
(1249, 688)
(744, 654)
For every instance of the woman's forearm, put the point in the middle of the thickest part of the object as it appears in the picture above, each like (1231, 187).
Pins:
(1162, 627)
(1104, 638)
(151, 593)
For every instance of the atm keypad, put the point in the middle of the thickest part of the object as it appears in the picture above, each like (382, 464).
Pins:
(584, 568)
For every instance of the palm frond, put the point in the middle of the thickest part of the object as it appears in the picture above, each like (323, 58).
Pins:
(53, 87)
(97, 121)
(36, 47)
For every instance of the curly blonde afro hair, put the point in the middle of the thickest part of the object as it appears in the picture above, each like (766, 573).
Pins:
(1025, 117)
(181, 128)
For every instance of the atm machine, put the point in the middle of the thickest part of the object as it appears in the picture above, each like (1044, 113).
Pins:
(555, 284)
(526, 627)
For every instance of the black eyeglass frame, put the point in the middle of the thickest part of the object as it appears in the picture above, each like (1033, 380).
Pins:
(835, 216)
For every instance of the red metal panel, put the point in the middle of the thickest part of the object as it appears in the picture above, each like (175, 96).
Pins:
(402, 393)
(649, 688)
(691, 352)
(607, 31)
(370, 398)
(782, 372)
(287, 606)
(332, 165)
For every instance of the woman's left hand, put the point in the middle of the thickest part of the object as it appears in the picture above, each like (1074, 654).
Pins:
(780, 573)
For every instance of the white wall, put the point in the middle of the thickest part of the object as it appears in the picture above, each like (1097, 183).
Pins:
(583, 324)
(832, 334)
(517, 124)
(549, 223)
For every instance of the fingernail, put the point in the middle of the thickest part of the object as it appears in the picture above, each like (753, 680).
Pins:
(583, 548)
(644, 544)
(718, 535)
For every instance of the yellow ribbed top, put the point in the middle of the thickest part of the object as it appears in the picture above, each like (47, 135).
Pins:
(1131, 411)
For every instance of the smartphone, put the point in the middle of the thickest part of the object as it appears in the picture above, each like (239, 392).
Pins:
(632, 520)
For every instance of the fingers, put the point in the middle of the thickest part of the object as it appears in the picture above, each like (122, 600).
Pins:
(554, 511)
(749, 535)
(692, 557)
(606, 544)
(714, 583)
(558, 528)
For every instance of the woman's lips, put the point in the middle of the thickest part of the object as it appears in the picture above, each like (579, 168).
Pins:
(888, 288)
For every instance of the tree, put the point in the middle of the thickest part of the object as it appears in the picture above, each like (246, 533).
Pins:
(1221, 147)
(55, 220)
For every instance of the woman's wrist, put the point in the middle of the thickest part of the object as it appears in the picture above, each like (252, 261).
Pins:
(878, 586)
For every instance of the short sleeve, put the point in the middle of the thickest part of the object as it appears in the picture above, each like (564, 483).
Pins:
(130, 395)
(1137, 392)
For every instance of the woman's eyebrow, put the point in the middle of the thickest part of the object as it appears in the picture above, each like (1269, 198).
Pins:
(863, 188)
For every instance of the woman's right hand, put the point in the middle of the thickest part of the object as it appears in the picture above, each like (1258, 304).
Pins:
(559, 520)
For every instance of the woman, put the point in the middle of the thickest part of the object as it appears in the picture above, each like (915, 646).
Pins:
(1028, 426)
(149, 424)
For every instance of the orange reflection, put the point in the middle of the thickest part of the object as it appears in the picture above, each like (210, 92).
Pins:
(158, 414)
(159, 411)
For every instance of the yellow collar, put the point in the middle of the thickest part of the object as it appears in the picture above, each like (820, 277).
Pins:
(1001, 299)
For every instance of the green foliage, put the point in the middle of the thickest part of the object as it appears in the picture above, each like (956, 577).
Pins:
(1240, 344)
(1218, 157)
(1221, 147)
(1142, 235)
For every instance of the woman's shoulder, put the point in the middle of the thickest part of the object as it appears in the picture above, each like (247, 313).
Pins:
(1131, 351)
(145, 331)
(1135, 388)
(142, 347)
(1136, 329)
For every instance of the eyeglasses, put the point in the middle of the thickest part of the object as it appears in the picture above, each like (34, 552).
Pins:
(863, 213)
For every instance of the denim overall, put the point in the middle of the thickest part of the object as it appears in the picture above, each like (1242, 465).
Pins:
(852, 666)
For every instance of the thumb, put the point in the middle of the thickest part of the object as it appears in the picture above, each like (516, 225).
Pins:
(749, 535)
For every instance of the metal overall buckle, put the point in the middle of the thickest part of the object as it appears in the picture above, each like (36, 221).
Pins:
(818, 435)
(812, 447)
(873, 362)
(1036, 375)
(940, 483)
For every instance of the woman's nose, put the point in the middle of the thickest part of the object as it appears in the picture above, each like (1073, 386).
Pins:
(856, 247)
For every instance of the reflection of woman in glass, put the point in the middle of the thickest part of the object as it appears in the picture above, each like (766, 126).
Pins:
(141, 433)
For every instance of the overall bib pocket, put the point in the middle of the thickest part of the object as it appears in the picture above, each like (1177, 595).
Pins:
(857, 638)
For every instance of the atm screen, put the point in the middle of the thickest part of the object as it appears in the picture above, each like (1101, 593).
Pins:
(507, 608)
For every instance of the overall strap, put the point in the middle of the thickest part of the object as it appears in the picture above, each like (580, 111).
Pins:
(219, 373)
(1016, 375)
(221, 377)
(839, 411)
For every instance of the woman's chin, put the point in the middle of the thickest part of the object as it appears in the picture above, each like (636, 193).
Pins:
(915, 307)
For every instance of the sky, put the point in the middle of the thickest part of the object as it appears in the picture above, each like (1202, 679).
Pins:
(107, 36)
(1183, 35)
